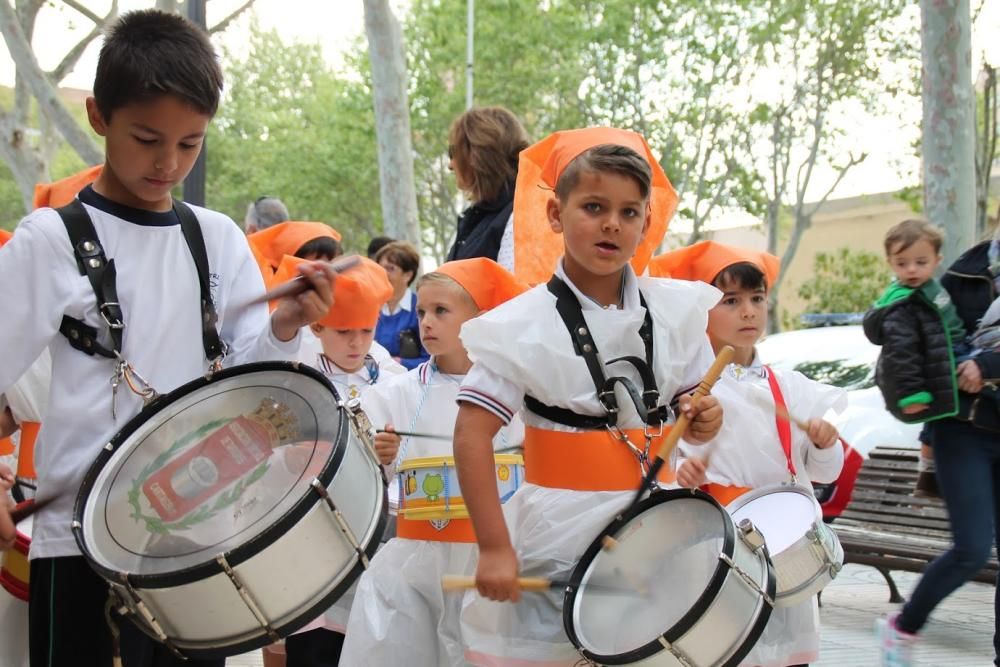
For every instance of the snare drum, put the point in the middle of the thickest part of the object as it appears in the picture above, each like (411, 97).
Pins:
(681, 586)
(806, 552)
(14, 567)
(428, 488)
(233, 510)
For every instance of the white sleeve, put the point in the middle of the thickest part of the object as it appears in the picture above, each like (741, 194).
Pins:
(505, 256)
(696, 368)
(824, 465)
(28, 398)
(247, 329)
(38, 277)
(492, 392)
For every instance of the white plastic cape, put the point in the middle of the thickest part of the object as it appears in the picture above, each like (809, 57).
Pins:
(525, 342)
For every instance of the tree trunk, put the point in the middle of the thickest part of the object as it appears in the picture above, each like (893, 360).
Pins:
(948, 123)
(392, 122)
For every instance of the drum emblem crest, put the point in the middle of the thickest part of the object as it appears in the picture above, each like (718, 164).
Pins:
(209, 469)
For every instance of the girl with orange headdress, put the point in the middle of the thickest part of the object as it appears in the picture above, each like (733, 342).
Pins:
(603, 192)
(758, 446)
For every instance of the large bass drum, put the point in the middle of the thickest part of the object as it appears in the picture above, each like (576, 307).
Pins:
(235, 509)
(677, 585)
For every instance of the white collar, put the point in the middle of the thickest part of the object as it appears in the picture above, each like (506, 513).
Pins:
(405, 303)
(630, 292)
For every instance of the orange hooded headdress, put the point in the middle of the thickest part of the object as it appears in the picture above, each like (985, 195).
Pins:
(5, 236)
(488, 283)
(706, 259)
(270, 245)
(536, 248)
(358, 293)
(64, 191)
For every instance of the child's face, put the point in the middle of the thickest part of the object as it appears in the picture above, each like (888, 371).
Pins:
(442, 308)
(602, 222)
(345, 347)
(150, 147)
(740, 318)
(915, 265)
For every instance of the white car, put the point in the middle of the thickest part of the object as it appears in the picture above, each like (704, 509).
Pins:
(843, 357)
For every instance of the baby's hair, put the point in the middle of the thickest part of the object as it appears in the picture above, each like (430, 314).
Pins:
(742, 275)
(435, 278)
(904, 234)
(606, 158)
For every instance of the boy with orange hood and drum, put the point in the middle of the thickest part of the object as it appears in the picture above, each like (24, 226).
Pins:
(758, 446)
(605, 194)
(400, 614)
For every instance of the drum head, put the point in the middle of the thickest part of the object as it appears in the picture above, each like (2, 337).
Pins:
(782, 515)
(209, 468)
(665, 560)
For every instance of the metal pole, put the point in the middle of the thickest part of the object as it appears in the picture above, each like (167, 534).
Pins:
(469, 51)
(194, 184)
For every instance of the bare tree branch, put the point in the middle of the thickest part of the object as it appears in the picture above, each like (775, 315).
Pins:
(73, 56)
(87, 12)
(224, 23)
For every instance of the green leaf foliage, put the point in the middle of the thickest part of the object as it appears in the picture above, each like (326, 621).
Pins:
(845, 281)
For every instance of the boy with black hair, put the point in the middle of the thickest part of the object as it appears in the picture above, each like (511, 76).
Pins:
(157, 86)
(608, 193)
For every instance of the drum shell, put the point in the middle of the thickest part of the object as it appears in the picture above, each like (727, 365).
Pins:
(15, 570)
(293, 571)
(811, 562)
(728, 602)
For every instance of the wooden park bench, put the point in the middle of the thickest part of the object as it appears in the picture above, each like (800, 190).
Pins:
(886, 527)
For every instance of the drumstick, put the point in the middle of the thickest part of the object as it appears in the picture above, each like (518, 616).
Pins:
(411, 434)
(722, 359)
(299, 285)
(457, 582)
(23, 510)
(783, 413)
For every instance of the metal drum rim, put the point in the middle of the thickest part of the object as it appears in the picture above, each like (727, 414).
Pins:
(689, 619)
(244, 552)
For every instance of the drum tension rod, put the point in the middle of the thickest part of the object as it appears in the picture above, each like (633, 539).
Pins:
(676, 652)
(247, 598)
(746, 578)
(341, 523)
(134, 603)
(818, 542)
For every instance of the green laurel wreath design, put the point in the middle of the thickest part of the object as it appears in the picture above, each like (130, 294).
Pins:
(156, 525)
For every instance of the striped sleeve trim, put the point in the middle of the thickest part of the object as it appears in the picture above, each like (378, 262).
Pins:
(470, 395)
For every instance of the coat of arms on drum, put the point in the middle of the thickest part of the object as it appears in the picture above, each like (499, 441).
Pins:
(219, 460)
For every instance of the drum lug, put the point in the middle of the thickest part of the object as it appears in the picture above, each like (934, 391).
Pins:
(247, 598)
(751, 536)
(676, 652)
(747, 579)
(133, 604)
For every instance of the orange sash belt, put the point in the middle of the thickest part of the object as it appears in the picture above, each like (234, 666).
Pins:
(26, 452)
(586, 460)
(456, 530)
(724, 493)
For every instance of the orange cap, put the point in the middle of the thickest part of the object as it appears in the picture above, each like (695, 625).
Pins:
(270, 245)
(64, 191)
(536, 248)
(358, 293)
(706, 259)
(5, 236)
(488, 283)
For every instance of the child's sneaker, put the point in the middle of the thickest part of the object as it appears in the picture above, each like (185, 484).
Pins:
(896, 646)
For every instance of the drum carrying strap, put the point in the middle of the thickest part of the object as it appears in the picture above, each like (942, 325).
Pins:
(100, 271)
(781, 420)
(646, 403)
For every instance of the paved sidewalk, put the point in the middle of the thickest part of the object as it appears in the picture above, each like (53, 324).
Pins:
(960, 632)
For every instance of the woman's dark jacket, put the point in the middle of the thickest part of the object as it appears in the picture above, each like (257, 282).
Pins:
(481, 227)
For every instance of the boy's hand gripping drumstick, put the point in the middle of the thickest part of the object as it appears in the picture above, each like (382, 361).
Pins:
(299, 285)
(723, 358)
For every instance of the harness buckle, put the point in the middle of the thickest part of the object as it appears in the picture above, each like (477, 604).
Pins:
(108, 317)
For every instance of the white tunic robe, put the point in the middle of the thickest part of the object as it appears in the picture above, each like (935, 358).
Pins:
(747, 452)
(523, 347)
(400, 614)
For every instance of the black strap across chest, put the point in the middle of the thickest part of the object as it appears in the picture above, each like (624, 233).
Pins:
(100, 271)
(646, 402)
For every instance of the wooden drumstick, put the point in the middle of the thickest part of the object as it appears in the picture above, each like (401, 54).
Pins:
(299, 285)
(411, 434)
(23, 510)
(783, 413)
(457, 582)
